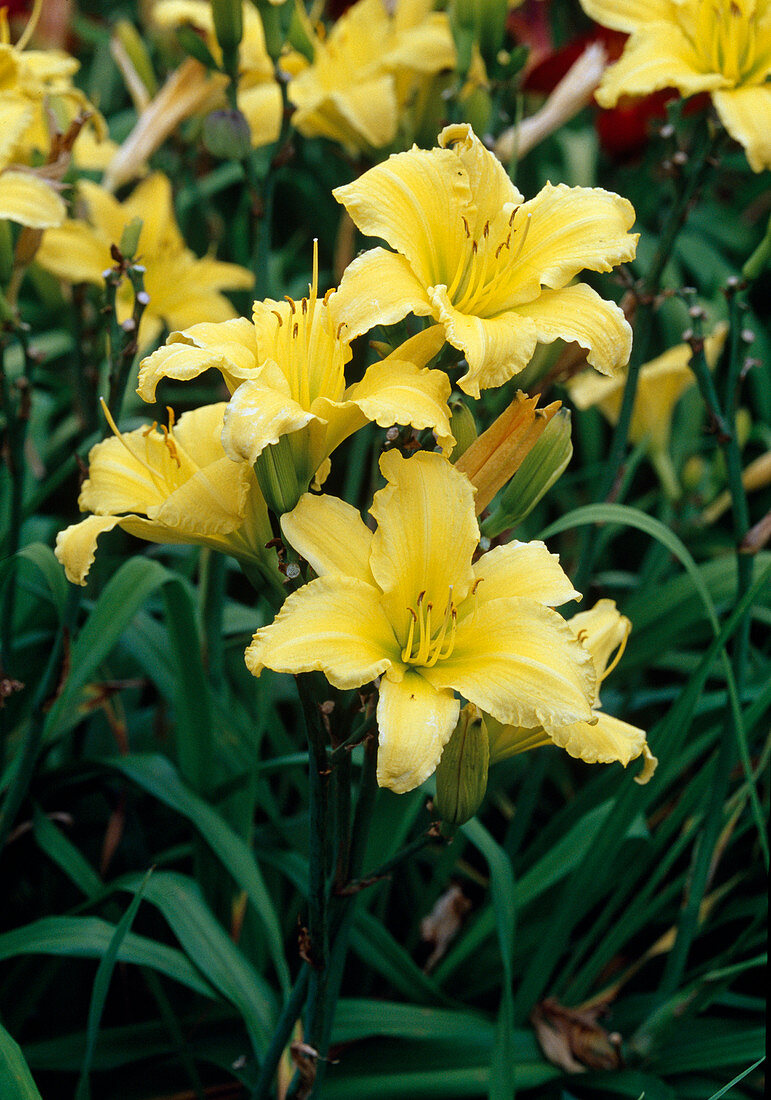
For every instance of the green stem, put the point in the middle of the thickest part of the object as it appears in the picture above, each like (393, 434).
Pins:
(318, 918)
(281, 1036)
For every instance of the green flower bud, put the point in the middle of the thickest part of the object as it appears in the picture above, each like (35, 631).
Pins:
(461, 778)
(129, 238)
(743, 426)
(463, 427)
(226, 134)
(229, 28)
(277, 474)
(541, 468)
(483, 21)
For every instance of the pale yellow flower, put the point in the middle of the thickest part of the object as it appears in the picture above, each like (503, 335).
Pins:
(493, 270)
(41, 82)
(286, 373)
(259, 96)
(24, 197)
(172, 485)
(660, 385)
(718, 46)
(366, 71)
(603, 632)
(183, 288)
(407, 604)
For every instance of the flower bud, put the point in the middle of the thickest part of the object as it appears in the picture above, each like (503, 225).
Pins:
(483, 21)
(129, 239)
(461, 778)
(277, 475)
(229, 28)
(463, 427)
(540, 469)
(226, 134)
(492, 459)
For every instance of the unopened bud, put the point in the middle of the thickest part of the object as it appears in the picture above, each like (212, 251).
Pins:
(129, 238)
(461, 777)
(228, 26)
(480, 21)
(463, 427)
(226, 134)
(540, 469)
(743, 426)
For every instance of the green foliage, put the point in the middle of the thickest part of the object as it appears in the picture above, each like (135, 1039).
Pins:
(132, 737)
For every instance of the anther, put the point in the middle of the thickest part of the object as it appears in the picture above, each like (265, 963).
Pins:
(295, 330)
(328, 295)
(278, 317)
(292, 304)
(465, 225)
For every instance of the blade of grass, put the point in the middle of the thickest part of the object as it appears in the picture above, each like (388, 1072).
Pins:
(16, 1082)
(101, 985)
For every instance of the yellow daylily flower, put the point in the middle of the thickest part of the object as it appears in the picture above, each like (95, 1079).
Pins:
(286, 374)
(603, 632)
(718, 46)
(408, 604)
(182, 287)
(41, 81)
(25, 198)
(366, 71)
(492, 270)
(172, 485)
(660, 385)
(259, 95)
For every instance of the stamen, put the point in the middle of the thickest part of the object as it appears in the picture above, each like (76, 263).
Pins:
(427, 649)
(295, 330)
(278, 317)
(292, 304)
(328, 295)
(465, 226)
(32, 22)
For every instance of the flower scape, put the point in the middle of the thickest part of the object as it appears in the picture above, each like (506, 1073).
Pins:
(385, 482)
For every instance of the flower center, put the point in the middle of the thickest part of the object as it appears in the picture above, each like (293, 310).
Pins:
(427, 641)
(724, 36)
(308, 349)
(478, 280)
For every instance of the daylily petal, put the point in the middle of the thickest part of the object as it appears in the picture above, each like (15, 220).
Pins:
(72, 252)
(394, 392)
(496, 348)
(378, 288)
(405, 199)
(579, 313)
(262, 108)
(523, 569)
(227, 346)
(626, 15)
(661, 57)
(330, 535)
(76, 545)
(258, 415)
(415, 722)
(521, 663)
(151, 200)
(746, 114)
(426, 532)
(211, 502)
(489, 181)
(608, 740)
(565, 230)
(334, 625)
(601, 629)
(28, 200)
